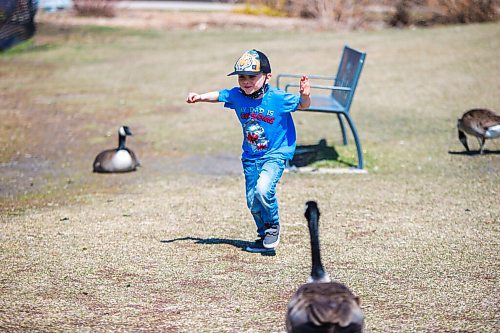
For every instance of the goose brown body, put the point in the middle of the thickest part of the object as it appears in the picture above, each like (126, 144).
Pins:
(322, 305)
(120, 159)
(481, 123)
(105, 161)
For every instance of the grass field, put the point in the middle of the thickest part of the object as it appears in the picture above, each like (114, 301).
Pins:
(416, 238)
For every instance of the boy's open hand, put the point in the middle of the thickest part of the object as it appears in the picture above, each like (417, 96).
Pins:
(193, 98)
(305, 86)
(305, 92)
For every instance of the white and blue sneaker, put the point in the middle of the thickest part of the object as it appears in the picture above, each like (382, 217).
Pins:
(272, 236)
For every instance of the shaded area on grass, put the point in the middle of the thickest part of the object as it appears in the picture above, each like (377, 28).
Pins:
(241, 244)
(474, 152)
(307, 155)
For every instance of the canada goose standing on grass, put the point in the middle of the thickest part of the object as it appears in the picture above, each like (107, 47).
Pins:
(321, 305)
(120, 159)
(481, 123)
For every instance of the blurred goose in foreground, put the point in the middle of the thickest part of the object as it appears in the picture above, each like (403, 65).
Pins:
(321, 305)
(120, 159)
(481, 123)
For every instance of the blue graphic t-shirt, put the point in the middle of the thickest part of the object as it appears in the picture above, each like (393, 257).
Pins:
(268, 129)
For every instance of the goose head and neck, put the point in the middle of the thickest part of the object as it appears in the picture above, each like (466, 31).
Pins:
(312, 214)
(122, 134)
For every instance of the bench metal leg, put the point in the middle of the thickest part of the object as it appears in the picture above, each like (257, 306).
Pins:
(356, 139)
(342, 127)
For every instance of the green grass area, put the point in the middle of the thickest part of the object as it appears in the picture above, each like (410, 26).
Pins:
(412, 91)
(160, 249)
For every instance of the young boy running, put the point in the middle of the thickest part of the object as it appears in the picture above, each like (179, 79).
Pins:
(269, 137)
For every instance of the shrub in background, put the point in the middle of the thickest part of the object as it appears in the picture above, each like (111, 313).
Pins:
(354, 13)
(265, 7)
(465, 11)
(331, 13)
(428, 12)
(99, 8)
(401, 16)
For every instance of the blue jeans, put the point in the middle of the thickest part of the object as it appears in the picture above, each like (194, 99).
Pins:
(261, 177)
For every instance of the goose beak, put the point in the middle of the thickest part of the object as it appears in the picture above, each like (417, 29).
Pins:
(126, 130)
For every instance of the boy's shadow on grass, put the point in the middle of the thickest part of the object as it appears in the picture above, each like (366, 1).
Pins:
(474, 152)
(308, 154)
(241, 244)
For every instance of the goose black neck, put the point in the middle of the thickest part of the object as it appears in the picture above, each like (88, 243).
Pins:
(121, 141)
(317, 270)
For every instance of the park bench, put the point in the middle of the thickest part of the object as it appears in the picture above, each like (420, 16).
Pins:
(342, 92)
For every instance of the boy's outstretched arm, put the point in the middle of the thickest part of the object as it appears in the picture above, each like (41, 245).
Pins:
(305, 92)
(212, 97)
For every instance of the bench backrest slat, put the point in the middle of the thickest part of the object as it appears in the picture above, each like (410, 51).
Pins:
(348, 74)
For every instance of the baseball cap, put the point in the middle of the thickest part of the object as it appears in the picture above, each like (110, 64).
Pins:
(252, 62)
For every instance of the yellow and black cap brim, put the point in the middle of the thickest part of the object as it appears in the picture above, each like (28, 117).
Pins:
(243, 73)
(252, 63)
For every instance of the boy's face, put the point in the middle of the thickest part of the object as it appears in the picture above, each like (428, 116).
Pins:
(251, 83)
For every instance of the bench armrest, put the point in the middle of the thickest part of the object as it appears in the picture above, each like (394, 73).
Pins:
(319, 86)
(316, 77)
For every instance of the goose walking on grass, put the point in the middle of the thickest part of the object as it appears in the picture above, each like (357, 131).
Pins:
(120, 159)
(481, 123)
(321, 305)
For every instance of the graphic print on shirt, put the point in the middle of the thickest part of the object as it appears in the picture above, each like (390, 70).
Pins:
(255, 136)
